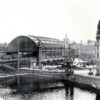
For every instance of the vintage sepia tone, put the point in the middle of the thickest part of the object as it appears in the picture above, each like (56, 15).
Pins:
(49, 50)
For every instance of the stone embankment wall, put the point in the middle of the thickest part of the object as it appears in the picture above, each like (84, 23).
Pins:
(88, 80)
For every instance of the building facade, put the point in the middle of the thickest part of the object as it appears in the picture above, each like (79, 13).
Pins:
(88, 51)
(83, 51)
(36, 47)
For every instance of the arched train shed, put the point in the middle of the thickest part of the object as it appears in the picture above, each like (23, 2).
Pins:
(36, 47)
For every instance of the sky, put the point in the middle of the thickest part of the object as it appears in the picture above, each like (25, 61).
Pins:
(51, 18)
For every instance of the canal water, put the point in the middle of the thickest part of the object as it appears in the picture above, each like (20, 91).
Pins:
(28, 89)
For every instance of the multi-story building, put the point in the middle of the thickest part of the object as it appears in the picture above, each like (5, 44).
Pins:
(87, 51)
(84, 51)
(74, 52)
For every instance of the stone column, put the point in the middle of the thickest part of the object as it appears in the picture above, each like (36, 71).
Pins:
(98, 49)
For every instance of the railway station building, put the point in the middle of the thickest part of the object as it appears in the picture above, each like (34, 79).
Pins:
(37, 48)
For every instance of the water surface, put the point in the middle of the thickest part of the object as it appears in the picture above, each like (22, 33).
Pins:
(28, 89)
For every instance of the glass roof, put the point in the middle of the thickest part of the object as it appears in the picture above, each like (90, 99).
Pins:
(45, 42)
(45, 39)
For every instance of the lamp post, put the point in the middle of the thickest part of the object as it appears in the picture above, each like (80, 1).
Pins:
(18, 59)
(18, 55)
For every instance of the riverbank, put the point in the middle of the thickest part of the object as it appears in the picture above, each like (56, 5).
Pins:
(47, 76)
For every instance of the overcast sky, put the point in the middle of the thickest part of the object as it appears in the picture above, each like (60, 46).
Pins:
(54, 18)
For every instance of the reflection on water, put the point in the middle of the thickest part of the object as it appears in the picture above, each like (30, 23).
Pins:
(28, 89)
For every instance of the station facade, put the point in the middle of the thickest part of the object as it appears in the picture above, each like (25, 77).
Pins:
(36, 47)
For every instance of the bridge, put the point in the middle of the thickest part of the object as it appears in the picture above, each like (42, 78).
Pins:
(40, 75)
